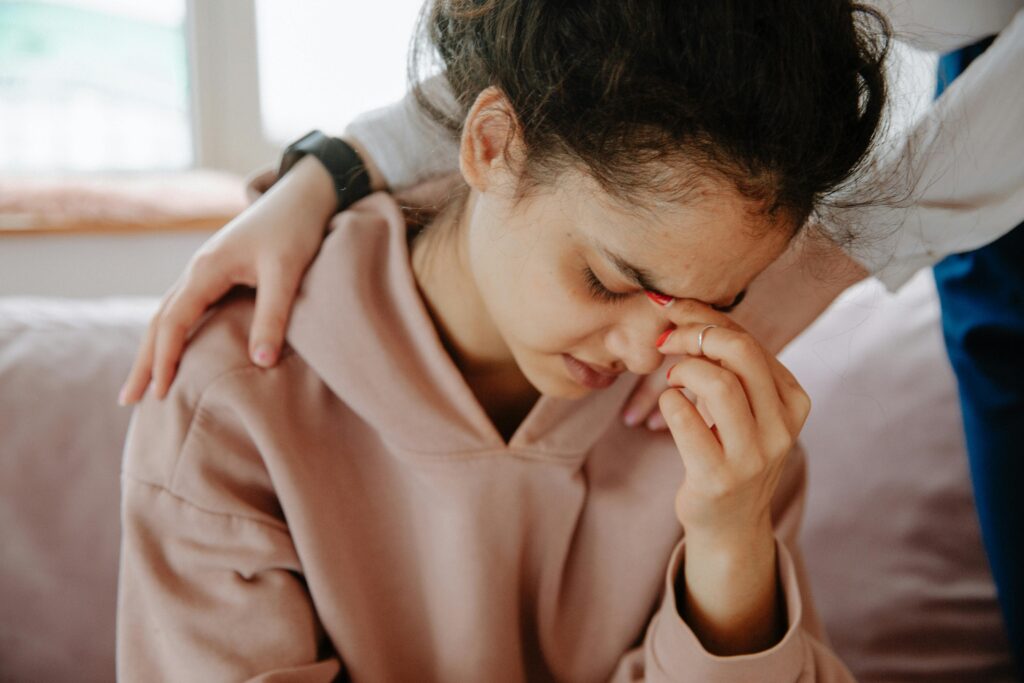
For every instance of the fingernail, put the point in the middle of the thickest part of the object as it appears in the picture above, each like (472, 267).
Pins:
(664, 337)
(655, 421)
(631, 418)
(263, 355)
(660, 299)
(122, 397)
(668, 375)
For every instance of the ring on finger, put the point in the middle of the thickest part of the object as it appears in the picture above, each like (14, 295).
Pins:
(700, 338)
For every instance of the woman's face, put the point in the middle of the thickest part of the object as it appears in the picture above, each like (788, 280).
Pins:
(563, 274)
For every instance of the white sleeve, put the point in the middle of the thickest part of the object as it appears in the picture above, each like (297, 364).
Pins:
(407, 145)
(944, 25)
(959, 175)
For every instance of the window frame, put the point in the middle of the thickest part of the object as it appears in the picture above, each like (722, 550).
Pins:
(224, 95)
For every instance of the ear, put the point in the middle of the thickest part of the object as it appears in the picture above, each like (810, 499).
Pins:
(488, 139)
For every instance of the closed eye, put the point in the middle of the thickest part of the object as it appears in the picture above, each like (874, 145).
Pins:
(735, 302)
(599, 291)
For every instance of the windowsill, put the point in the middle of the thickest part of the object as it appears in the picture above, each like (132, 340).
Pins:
(134, 204)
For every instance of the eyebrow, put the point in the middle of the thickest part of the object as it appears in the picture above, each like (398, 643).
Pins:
(645, 280)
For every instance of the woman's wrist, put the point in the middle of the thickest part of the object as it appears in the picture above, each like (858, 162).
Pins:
(341, 164)
(308, 187)
(729, 594)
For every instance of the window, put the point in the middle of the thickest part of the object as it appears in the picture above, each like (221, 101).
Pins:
(90, 85)
(322, 62)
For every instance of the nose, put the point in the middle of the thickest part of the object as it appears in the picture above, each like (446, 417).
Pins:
(632, 340)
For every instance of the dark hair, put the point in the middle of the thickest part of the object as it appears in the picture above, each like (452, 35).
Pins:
(782, 98)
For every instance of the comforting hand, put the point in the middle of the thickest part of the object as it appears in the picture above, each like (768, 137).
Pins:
(268, 246)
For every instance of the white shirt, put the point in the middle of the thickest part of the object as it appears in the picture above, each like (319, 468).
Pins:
(958, 172)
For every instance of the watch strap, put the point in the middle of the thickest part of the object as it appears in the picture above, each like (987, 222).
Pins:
(348, 172)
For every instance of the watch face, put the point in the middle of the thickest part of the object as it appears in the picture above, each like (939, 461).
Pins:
(351, 182)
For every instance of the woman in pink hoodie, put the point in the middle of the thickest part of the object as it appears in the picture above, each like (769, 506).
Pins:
(432, 483)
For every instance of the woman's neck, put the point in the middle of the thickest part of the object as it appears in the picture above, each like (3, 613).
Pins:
(440, 264)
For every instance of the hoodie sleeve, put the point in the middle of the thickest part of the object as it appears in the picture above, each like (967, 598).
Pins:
(208, 593)
(671, 651)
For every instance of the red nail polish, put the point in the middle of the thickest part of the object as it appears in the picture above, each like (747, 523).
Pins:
(664, 337)
(659, 299)
(668, 375)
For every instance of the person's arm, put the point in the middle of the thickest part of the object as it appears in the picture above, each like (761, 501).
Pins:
(270, 244)
(794, 290)
(408, 146)
(957, 180)
(736, 605)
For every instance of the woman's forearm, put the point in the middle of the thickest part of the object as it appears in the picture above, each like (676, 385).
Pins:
(306, 188)
(729, 595)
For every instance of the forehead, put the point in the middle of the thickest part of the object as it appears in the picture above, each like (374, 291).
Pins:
(708, 247)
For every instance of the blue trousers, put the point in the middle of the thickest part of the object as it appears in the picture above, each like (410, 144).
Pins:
(982, 296)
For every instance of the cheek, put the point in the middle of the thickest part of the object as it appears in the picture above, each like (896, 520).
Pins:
(531, 279)
(557, 312)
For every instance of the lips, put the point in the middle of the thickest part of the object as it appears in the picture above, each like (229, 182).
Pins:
(590, 376)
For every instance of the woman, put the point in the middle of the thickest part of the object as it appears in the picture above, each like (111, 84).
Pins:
(432, 483)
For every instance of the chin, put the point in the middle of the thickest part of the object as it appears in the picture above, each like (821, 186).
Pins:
(550, 381)
(571, 390)
(566, 390)
(545, 371)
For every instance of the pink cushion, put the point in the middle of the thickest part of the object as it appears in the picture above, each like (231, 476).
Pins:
(61, 365)
(891, 534)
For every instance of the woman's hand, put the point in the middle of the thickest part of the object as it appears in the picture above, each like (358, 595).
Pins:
(748, 412)
(268, 246)
(756, 408)
(780, 304)
(642, 406)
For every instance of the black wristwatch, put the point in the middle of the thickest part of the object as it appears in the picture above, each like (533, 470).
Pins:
(351, 181)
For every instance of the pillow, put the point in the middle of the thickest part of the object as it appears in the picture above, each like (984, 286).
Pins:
(891, 536)
(61, 365)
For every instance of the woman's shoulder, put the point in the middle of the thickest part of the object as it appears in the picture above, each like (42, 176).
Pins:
(201, 432)
(218, 346)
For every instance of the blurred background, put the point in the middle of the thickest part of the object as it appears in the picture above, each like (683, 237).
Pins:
(127, 126)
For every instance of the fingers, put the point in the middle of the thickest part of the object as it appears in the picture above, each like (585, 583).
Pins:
(642, 406)
(656, 421)
(203, 285)
(697, 445)
(257, 184)
(738, 352)
(274, 297)
(140, 373)
(724, 397)
(201, 288)
(777, 402)
(796, 401)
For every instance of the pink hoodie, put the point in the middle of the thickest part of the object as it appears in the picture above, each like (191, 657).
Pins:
(353, 514)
